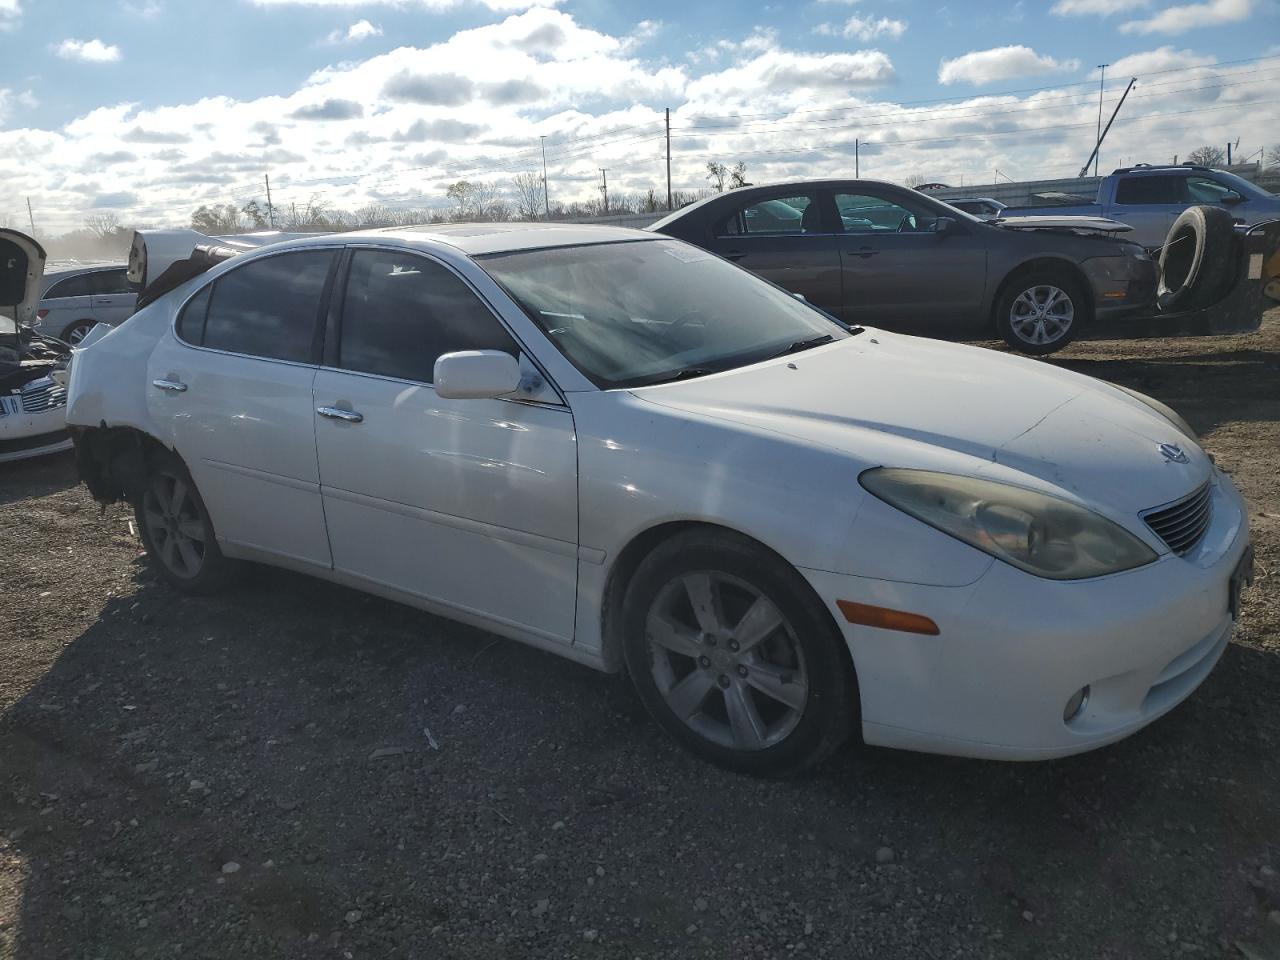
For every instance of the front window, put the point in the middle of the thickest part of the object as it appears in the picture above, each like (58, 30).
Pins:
(867, 213)
(639, 312)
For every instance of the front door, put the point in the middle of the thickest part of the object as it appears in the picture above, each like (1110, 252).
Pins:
(787, 239)
(471, 504)
(232, 384)
(113, 297)
(900, 273)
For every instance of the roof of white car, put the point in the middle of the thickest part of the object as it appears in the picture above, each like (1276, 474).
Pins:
(481, 238)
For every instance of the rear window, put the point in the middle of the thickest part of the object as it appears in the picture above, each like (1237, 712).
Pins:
(267, 308)
(80, 285)
(1135, 190)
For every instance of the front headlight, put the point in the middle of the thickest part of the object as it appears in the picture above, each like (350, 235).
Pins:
(1164, 410)
(1040, 534)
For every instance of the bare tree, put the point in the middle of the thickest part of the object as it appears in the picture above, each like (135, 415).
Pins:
(915, 179)
(1272, 154)
(257, 219)
(102, 225)
(217, 218)
(529, 195)
(716, 173)
(738, 176)
(315, 215)
(375, 215)
(1207, 156)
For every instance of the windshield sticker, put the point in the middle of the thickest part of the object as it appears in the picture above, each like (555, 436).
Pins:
(687, 254)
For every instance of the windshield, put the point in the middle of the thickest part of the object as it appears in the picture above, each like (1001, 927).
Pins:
(639, 312)
(1240, 185)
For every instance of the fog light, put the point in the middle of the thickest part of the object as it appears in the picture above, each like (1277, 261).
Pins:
(1076, 704)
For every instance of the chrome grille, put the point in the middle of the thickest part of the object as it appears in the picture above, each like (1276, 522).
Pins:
(1181, 524)
(43, 394)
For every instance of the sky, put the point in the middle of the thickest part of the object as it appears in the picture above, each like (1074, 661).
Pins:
(147, 109)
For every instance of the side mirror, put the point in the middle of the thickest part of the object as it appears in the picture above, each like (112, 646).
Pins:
(800, 297)
(944, 225)
(476, 375)
(1232, 198)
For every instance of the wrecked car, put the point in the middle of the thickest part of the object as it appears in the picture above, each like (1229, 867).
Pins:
(32, 402)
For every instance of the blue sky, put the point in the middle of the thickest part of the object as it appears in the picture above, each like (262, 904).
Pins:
(385, 101)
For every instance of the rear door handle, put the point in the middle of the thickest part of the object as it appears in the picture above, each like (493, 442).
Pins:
(337, 413)
(172, 386)
(864, 252)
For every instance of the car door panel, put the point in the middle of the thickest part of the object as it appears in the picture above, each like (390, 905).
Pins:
(244, 423)
(113, 300)
(912, 278)
(471, 504)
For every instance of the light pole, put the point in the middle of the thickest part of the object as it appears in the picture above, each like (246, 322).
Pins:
(546, 199)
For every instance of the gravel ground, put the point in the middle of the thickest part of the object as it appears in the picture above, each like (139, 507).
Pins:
(297, 770)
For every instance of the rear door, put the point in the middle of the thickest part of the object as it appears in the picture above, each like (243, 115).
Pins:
(1148, 203)
(900, 273)
(787, 238)
(67, 302)
(231, 382)
(113, 296)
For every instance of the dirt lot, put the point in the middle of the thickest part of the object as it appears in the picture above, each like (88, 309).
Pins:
(257, 775)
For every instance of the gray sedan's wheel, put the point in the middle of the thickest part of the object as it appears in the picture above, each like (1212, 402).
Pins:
(78, 331)
(176, 529)
(1040, 313)
(733, 655)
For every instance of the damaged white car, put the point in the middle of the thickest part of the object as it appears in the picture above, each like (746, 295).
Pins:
(33, 404)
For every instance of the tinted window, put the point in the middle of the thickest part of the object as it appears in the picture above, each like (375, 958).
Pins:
(269, 308)
(191, 320)
(776, 216)
(401, 312)
(111, 281)
(1134, 190)
(865, 213)
(1204, 190)
(81, 285)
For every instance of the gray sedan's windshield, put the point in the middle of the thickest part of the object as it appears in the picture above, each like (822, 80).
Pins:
(641, 312)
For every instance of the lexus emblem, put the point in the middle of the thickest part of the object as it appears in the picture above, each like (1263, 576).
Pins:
(1172, 453)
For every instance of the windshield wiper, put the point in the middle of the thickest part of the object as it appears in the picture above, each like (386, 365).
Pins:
(800, 345)
(685, 373)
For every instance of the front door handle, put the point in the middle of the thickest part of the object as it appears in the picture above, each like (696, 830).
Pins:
(337, 413)
(172, 386)
(864, 252)
(734, 255)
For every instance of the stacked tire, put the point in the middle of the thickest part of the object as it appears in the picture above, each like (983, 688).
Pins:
(1197, 259)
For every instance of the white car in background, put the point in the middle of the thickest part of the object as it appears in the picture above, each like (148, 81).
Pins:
(77, 297)
(33, 404)
(620, 448)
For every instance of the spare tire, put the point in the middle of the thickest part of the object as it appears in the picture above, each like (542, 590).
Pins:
(1195, 262)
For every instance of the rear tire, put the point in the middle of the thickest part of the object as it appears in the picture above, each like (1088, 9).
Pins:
(1040, 311)
(1196, 259)
(77, 331)
(176, 529)
(733, 655)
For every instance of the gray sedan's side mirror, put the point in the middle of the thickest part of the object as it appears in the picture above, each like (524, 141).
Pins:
(476, 375)
(944, 225)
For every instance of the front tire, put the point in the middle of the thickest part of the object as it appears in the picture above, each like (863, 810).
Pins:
(1040, 312)
(176, 529)
(733, 655)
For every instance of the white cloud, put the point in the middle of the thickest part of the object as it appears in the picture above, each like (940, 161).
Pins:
(142, 9)
(865, 28)
(10, 14)
(1101, 8)
(87, 51)
(360, 30)
(1001, 63)
(1152, 61)
(499, 5)
(1191, 16)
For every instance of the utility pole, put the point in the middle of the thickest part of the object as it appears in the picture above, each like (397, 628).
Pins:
(271, 211)
(1101, 83)
(668, 158)
(604, 188)
(32, 217)
(855, 158)
(546, 198)
(1228, 153)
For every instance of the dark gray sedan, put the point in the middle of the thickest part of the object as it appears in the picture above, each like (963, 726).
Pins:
(876, 253)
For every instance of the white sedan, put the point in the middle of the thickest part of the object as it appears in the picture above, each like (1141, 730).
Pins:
(627, 451)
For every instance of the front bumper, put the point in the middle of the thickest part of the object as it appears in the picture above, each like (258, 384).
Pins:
(24, 435)
(1121, 286)
(1014, 648)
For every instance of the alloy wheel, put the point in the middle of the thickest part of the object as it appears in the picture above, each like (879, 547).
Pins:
(726, 661)
(1041, 314)
(77, 333)
(174, 524)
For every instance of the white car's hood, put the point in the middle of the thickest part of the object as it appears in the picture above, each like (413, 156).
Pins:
(891, 400)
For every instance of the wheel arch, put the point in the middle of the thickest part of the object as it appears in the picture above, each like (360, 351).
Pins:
(643, 543)
(112, 461)
(1032, 265)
